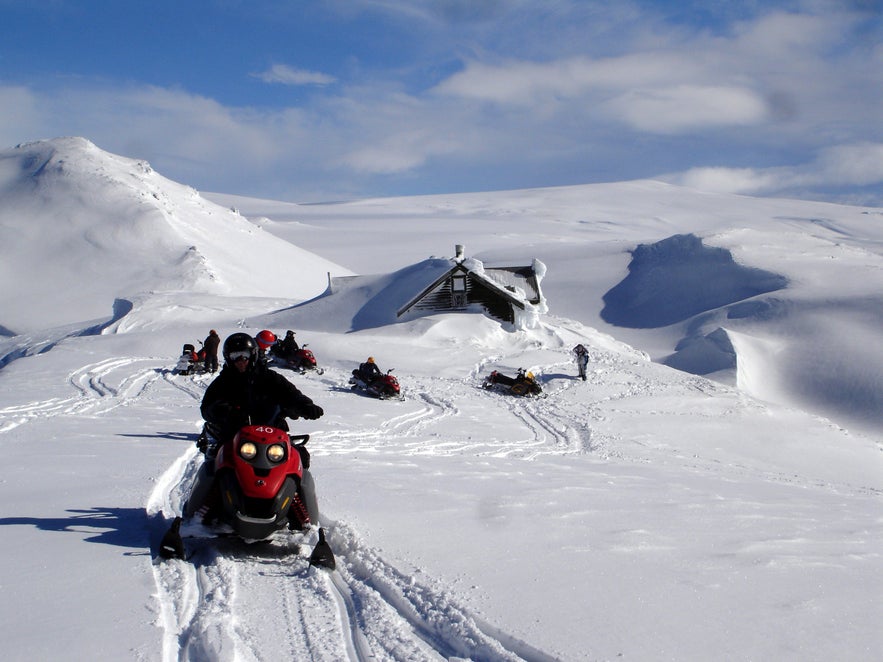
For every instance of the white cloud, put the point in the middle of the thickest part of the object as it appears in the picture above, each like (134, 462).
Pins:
(781, 34)
(651, 92)
(688, 107)
(190, 138)
(385, 158)
(854, 165)
(395, 133)
(569, 109)
(528, 83)
(285, 75)
(20, 116)
(725, 180)
(191, 125)
(858, 164)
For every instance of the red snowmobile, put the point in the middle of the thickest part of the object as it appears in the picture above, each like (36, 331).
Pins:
(302, 360)
(385, 387)
(523, 384)
(257, 491)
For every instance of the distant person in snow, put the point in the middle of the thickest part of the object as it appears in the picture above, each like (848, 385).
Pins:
(210, 345)
(582, 360)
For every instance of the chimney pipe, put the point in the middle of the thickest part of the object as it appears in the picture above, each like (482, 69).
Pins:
(458, 252)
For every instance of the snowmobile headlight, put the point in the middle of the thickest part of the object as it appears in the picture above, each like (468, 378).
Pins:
(276, 453)
(248, 450)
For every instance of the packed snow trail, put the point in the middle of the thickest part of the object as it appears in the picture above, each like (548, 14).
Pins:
(264, 601)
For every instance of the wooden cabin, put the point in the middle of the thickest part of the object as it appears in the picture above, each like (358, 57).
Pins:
(470, 284)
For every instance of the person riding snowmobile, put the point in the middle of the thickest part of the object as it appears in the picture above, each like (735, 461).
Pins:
(287, 347)
(247, 393)
(369, 371)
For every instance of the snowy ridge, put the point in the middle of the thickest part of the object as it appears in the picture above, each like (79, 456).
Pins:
(121, 230)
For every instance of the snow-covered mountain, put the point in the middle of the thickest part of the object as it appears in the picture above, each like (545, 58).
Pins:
(646, 513)
(82, 227)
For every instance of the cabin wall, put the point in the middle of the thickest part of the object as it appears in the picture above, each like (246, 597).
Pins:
(441, 298)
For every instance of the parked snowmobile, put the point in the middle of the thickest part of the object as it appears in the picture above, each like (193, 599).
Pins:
(301, 360)
(257, 490)
(523, 384)
(190, 361)
(385, 387)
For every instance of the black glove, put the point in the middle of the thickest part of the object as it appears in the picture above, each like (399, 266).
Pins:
(220, 412)
(311, 412)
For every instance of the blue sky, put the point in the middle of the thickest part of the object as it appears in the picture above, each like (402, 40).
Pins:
(314, 101)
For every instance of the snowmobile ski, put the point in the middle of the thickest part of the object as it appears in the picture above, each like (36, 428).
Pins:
(322, 555)
(172, 544)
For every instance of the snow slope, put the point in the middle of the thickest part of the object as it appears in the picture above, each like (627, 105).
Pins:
(646, 513)
(802, 277)
(122, 231)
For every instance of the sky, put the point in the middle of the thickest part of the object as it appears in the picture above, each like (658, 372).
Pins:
(316, 101)
(645, 513)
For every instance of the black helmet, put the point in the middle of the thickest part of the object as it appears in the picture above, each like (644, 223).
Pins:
(240, 342)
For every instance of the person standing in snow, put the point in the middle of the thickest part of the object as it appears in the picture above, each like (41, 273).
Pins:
(582, 360)
(210, 345)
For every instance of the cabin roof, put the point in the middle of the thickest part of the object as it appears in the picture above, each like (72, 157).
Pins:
(508, 282)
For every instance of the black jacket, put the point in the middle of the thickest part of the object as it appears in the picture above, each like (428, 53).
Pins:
(369, 372)
(286, 347)
(256, 397)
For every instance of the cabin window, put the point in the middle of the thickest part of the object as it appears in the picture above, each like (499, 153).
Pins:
(458, 290)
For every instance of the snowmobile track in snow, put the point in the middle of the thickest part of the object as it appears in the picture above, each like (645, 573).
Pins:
(264, 601)
(95, 391)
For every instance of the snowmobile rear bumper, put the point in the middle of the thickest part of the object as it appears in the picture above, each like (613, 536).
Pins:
(255, 528)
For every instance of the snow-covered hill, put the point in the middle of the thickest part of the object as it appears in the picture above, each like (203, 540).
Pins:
(645, 513)
(81, 228)
(793, 288)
